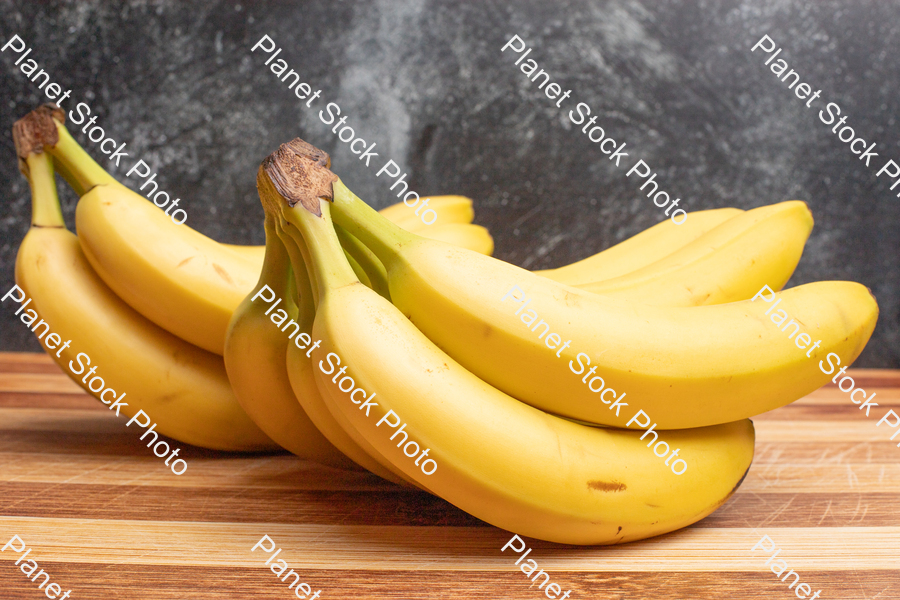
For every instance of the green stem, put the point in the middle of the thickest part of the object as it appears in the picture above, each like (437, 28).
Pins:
(276, 268)
(76, 166)
(327, 261)
(292, 182)
(45, 208)
(357, 268)
(367, 261)
(380, 235)
(305, 297)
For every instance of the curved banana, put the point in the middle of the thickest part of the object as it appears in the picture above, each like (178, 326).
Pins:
(449, 209)
(175, 276)
(474, 237)
(566, 350)
(729, 263)
(255, 349)
(642, 249)
(299, 369)
(528, 472)
(184, 389)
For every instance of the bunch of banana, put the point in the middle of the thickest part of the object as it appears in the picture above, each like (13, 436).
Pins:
(687, 366)
(183, 388)
(443, 356)
(501, 460)
(361, 338)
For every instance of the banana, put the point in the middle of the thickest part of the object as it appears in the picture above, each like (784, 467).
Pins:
(449, 209)
(255, 349)
(728, 263)
(299, 370)
(685, 367)
(640, 250)
(184, 389)
(175, 276)
(474, 237)
(528, 472)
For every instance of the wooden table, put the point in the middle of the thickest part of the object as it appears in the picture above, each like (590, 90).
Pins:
(106, 519)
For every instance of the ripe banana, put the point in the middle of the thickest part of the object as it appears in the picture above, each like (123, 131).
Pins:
(529, 472)
(474, 237)
(184, 389)
(178, 278)
(642, 249)
(729, 263)
(299, 369)
(451, 210)
(175, 276)
(255, 349)
(685, 367)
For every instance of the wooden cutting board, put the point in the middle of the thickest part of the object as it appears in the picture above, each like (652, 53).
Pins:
(107, 520)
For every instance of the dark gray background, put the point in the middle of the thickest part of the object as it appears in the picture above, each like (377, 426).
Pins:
(427, 82)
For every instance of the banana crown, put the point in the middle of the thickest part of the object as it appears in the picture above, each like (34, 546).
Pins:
(31, 134)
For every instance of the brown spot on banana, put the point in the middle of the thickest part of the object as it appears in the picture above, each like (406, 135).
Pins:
(223, 274)
(606, 486)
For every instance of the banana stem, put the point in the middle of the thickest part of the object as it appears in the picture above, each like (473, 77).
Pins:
(380, 235)
(76, 166)
(295, 175)
(327, 261)
(305, 294)
(45, 208)
(276, 268)
(367, 261)
(361, 273)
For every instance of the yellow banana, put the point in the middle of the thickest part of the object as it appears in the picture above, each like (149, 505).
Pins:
(255, 349)
(474, 237)
(729, 263)
(184, 389)
(527, 471)
(449, 209)
(175, 276)
(640, 250)
(299, 370)
(566, 350)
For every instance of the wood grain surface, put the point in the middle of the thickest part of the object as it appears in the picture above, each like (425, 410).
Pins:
(106, 519)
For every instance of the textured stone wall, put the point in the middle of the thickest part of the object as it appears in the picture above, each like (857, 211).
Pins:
(426, 81)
